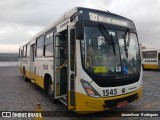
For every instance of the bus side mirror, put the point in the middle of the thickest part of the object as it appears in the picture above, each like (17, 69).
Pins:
(79, 27)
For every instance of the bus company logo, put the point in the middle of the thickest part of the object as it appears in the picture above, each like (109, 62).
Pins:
(6, 114)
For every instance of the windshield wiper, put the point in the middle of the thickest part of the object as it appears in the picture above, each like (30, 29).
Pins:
(107, 36)
(126, 43)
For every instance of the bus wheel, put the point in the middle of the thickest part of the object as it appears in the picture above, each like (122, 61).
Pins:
(51, 92)
(24, 76)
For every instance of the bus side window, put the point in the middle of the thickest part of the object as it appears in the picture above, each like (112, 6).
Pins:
(24, 51)
(40, 46)
(28, 51)
(159, 56)
(19, 56)
(48, 52)
(143, 54)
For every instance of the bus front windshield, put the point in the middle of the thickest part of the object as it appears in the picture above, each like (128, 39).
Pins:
(102, 58)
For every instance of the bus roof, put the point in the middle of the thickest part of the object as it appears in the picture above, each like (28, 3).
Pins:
(64, 17)
(85, 14)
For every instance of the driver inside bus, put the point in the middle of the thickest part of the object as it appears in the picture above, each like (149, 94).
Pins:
(94, 55)
(90, 55)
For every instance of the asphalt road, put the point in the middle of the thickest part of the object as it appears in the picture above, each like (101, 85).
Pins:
(18, 95)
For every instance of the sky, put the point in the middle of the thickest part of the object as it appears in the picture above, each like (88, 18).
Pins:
(21, 19)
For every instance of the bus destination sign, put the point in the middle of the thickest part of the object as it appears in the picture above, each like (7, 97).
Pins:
(99, 18)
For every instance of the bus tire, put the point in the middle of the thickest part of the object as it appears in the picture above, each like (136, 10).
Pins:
(50, 90)
(24, 75)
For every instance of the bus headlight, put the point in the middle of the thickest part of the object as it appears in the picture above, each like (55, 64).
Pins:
(89, 89)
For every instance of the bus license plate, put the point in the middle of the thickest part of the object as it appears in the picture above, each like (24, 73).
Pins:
(121, 104)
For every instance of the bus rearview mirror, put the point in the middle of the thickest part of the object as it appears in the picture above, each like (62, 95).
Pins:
(79, 30)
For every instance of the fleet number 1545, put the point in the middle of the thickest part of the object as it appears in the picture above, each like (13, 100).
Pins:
(109, 92)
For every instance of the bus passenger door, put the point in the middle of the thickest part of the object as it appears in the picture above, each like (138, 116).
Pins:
(32, 63)
(71, 67)
(60, 68)
(158, 60)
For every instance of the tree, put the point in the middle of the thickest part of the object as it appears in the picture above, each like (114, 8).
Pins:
(142, 47)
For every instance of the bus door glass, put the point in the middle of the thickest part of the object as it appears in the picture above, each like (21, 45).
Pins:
(32, 64)
(60, 66)
(71, 67)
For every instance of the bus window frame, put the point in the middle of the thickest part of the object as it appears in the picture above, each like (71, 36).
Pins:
(39, 47)
(24, 51)
(28, 50)
(48, 33)
(151, 56)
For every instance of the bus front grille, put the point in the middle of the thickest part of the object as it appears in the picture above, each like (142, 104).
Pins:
(113, 82)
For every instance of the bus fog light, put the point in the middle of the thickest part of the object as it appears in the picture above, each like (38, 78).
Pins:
(89, 89)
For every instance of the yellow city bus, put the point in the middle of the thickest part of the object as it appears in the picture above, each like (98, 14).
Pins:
(88, 59)
(151, 59)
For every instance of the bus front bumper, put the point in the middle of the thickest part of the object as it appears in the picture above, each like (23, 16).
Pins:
(86, 104)
(151, 66)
